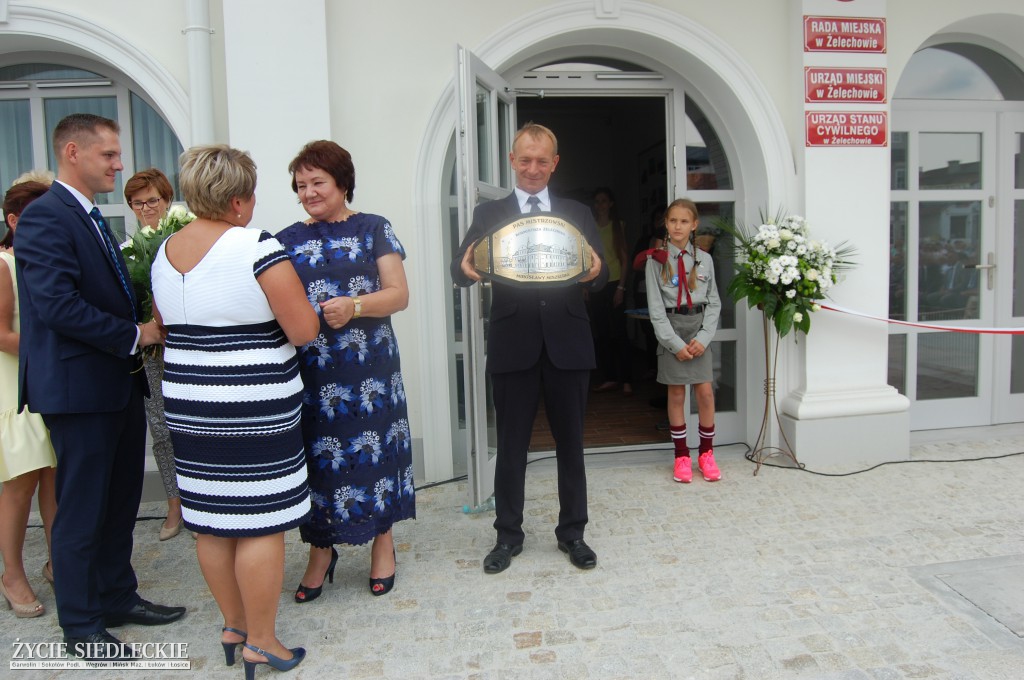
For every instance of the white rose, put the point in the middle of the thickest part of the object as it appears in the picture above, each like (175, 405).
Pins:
(798, 317)
(177, 212)
(811, 275)
(147, 230)
(815, 307)
(785, 234)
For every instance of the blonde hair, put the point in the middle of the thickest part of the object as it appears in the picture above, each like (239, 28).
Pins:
(536, 131)
(212, 175)
(691, 279)
(43, 176)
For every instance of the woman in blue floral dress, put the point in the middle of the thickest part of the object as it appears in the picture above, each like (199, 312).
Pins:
(355, 422)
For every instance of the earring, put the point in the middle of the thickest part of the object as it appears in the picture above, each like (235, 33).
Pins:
(239, 215)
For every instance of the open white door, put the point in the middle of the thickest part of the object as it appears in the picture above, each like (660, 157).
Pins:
(487, 120)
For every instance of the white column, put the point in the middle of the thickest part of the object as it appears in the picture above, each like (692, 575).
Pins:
(277, 93)
(843, 412)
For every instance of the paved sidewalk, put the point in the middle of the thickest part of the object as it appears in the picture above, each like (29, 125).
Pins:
(783, 575)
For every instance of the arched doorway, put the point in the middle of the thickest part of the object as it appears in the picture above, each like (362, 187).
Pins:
(719, 82)
(956, 236)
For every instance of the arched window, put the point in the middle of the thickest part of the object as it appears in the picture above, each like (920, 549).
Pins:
(35, 96)
(960, 71)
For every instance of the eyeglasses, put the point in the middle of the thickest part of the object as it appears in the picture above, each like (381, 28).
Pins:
(151, 203)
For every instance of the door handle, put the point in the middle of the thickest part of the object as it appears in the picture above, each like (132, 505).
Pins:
(989, 266)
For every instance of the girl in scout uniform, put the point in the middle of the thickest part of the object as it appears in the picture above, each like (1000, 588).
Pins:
(685, 318)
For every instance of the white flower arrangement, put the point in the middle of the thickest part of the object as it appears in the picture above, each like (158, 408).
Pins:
(783, 271)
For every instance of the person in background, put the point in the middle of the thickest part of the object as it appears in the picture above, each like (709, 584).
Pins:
(80, 369)
(355, 423)
(149, 195)
(684, 308)
(539, 342)
(234, 309)
(27, 460)
(608, 305)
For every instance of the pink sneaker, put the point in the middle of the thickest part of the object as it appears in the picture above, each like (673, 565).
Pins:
(682, 471)
(708, 468)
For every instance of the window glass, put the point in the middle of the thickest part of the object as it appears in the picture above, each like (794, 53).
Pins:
(898, 260)
(15, 140)
(949, 160)
(153, 142)
(898, 161)
(706, 164)
(483, 134)
(45, 72)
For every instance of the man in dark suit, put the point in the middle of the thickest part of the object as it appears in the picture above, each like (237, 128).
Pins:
(539, 338)
(81, 370)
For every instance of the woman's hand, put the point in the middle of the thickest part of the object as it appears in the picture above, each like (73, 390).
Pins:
(684, 354)
(695, 348)
(338, 311)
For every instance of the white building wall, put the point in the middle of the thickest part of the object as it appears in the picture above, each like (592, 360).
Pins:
(372, 76)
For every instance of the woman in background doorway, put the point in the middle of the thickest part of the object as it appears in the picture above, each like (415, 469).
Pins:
(608, 305)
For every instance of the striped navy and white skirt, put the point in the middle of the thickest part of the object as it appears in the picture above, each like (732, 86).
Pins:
(233, 398)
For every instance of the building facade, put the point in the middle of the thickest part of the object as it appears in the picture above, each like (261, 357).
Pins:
(894, 125)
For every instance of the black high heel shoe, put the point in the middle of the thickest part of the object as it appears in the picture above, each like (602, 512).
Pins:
(277, 663)
(305, 594)
(229, 647)
(383, 586)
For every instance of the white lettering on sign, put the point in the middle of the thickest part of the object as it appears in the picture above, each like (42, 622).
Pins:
(837, 128)
(849, 85)
(844, 34)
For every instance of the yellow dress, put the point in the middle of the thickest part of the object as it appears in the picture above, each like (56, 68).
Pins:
(24, 440)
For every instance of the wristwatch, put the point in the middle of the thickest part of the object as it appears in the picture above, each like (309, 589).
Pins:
(358, 306)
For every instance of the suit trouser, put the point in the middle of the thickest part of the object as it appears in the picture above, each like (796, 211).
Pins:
(100, 464)
(516, 396)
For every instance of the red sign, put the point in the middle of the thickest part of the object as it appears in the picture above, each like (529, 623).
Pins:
(844, 85)
(845, 128)
(844, 34)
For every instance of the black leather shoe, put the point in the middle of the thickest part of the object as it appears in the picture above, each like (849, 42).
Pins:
(500, 557)
(101, 646)
(145, 614)
(580, 554)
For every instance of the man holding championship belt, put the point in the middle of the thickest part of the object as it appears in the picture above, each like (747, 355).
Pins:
(539, 336)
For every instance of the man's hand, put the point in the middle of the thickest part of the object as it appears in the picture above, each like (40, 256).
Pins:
(151, 333)
(467, 266)
(595, 267)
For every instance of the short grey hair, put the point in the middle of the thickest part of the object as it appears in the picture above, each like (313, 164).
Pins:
(212, 175)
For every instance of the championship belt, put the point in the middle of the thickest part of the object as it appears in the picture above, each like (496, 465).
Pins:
(536, 249)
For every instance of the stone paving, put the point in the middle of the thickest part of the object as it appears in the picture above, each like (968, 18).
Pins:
(782, 575)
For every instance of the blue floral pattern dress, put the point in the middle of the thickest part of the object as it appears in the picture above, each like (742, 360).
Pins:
(355, 420)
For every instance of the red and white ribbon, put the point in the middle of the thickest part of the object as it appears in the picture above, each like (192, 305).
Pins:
(937, 327)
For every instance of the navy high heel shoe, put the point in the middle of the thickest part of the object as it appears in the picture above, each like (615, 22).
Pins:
(383, 586)
(229, 647)
(277, 663)
(305, 594)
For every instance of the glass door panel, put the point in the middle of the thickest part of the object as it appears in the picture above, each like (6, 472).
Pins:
(481, 174)
(943, 235)
(1009, 272)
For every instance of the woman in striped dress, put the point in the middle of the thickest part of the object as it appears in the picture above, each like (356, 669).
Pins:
(234, 309)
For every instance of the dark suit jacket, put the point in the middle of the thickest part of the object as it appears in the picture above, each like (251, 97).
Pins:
(77, 328)
(526, 320)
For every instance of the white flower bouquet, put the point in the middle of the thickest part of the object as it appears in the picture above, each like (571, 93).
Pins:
(140, 250)
(784, 272)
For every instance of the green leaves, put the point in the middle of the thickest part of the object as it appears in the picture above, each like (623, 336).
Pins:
(782, 271)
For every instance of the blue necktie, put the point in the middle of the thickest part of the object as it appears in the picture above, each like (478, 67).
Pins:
(534, 204)
(115, 255)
